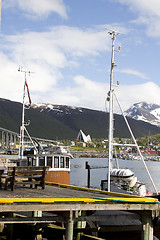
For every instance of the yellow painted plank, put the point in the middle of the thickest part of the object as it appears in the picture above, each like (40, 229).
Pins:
(136, 200)
(70, 199)
(48, 200)
(116, 194)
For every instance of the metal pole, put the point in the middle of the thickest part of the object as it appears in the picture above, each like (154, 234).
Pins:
(110, 136)
(21, 147)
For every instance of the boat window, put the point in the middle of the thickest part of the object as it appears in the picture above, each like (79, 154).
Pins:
(62, 162)
(41, 161)
(56, 162)
(67, 162)
(49, 161)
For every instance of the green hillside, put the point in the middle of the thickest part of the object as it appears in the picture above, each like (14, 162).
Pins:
(66, 123)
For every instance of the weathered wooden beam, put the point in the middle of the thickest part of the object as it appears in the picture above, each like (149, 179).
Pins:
(103, 218)
(26, 220)
(115, 228)
(86, 236)
(147, 232)
(80, 206)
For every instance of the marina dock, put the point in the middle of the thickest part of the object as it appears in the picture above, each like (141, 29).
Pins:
(68, 212)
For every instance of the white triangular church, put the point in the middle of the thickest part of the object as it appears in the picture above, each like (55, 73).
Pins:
(83, 138)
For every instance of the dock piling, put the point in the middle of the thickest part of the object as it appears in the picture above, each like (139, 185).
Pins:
(147, 232)
(69, 226)
(89, 170)
(38, 214)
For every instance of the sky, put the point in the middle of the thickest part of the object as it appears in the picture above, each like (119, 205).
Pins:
(66, 46)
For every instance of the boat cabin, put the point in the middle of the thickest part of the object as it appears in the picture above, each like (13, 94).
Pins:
(59, 166)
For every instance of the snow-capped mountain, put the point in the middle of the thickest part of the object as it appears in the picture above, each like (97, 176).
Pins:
(145, 112)
(57, 109)
(51, 121)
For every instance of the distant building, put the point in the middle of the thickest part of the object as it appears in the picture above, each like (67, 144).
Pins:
(83, 138)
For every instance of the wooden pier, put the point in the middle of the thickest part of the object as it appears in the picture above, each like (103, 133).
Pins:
(67, 212)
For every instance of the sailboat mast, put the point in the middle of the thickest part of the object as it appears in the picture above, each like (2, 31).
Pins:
(21, 150)
(111, 120)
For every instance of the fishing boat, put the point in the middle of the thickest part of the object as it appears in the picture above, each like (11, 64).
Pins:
(121, 180)
(58, 163)
(57, 158)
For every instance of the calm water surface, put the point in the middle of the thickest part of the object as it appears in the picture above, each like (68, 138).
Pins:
(79, 173)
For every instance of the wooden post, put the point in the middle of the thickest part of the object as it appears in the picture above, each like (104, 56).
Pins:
(69, 227)
(79, 225)
(37, 214)
(43, 178)
(13, 179)
(147, 232)
(89, 169)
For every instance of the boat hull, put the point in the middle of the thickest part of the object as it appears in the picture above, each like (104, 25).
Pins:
(61, 177)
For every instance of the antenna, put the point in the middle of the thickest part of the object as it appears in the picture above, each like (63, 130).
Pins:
(113, 32)
(23, 128)
(21, 70)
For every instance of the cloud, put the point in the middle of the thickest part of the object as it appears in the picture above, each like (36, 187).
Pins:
(128, 95)
(148, 12)
(83, 93)
(80, 42)
(133, 72)
(91, 94)
(50, 55)
(143, 7)
(37, 8)
(54, 45)
(47, 54)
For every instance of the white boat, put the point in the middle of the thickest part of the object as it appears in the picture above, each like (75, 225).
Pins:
(56, 158)
(121, 180)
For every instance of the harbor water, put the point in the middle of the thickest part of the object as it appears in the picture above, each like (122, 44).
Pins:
(99, 172)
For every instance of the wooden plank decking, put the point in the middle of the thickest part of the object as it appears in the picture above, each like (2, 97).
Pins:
(66, 203)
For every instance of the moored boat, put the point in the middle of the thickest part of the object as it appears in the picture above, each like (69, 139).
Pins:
(57, 159)
(58, 163)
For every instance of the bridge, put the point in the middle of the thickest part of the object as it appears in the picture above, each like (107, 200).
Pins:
(9, 138)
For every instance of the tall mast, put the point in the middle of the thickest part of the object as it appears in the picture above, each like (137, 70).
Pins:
(111, 120)
(23, 128)
(21, 150)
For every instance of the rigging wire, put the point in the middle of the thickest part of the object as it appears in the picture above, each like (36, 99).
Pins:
(142, 158)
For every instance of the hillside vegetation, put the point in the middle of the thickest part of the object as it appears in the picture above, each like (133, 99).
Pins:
(65, 124)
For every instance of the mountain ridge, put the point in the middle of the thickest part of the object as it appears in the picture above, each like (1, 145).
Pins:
(149, 113)
(64, 122)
